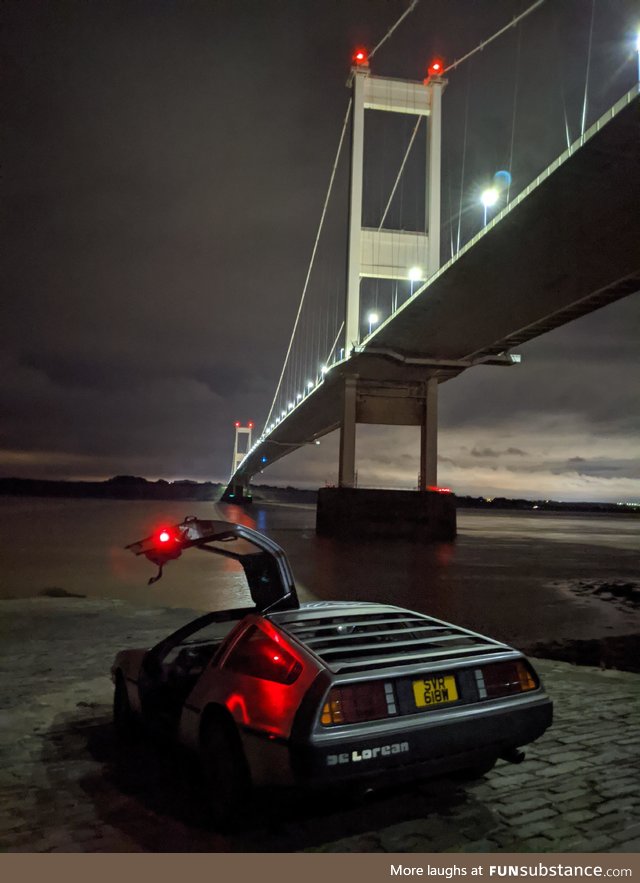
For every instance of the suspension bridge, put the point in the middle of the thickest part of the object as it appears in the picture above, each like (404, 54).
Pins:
(413, 310)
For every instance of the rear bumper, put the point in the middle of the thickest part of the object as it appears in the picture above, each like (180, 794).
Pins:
(421, 752)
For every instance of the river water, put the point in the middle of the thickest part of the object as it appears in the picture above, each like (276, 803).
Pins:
(519, 576)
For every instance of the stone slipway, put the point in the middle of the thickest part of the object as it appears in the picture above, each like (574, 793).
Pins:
(65, 787)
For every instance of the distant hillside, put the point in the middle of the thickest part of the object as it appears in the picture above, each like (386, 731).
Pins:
(122, 487)
(131, 487)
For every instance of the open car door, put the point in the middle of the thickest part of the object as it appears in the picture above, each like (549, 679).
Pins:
(266, 567)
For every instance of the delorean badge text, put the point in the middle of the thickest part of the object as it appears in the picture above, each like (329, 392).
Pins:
(368, 753)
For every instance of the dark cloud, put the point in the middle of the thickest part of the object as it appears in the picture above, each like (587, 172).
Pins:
(490, 452)
(165, 169)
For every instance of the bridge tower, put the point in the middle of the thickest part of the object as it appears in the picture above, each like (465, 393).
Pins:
(238, 492)
(391, 254)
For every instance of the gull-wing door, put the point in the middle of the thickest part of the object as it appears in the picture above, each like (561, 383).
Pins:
(265, 564)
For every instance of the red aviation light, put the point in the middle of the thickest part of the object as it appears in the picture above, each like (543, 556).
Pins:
(360, 56)
(237, 424)
(436, 68)
(167, 540)
(250, 424)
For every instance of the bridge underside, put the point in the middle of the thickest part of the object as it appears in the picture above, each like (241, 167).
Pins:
(568, 245)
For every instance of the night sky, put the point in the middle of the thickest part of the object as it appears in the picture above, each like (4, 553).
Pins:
(164, 168)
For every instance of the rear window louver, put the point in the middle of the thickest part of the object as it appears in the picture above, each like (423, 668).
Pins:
(356, 641)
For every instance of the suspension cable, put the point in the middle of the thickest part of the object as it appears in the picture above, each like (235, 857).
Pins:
(402, 165)
(586, 76)
(414, 3)
(515, 108)
(313, 255)
(335, 343)
(499, 33)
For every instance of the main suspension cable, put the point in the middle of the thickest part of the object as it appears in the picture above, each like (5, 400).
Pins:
(499, 33)
(414, 3)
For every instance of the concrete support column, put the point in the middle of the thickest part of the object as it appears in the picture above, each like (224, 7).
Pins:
(429, 437)
(347, 469)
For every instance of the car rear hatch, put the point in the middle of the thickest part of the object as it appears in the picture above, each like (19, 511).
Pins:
(391, 671)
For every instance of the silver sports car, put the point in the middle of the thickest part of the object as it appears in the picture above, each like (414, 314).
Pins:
(322, 693)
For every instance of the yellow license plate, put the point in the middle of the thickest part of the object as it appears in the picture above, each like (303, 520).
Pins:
(436, 690)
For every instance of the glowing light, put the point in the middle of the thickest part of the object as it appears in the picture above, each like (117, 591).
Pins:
(164, 536)
(310, 384)
(502, 179)
(290, 405)
(415, 274)
(284, 414)
(299, 396)
(436, 68)
(323, 370)
(237, 424)
(489, 197)
(250, 424)
(360, 56)
(373, 319)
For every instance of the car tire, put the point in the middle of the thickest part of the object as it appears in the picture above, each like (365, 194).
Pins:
(225, 772)
(124, 720)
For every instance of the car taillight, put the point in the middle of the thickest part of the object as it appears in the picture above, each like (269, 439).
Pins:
(354, 703)
(506, 678)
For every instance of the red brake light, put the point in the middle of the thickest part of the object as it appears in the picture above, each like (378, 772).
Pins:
(353, 703)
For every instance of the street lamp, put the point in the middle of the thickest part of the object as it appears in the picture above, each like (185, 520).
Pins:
(372, 319)
(415, 275)
(488, 198)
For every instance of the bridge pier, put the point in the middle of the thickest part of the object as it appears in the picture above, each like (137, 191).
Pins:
(347, 463)
(428, 475)
(423, 514)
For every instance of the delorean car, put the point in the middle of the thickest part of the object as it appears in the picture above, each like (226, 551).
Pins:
(321, 693)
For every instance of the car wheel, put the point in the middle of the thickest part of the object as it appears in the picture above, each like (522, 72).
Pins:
(226, 775)
(124, 720)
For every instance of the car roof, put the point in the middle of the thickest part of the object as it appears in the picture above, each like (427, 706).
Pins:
(355, 636)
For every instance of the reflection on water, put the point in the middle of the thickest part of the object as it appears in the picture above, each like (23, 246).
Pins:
(500, 571)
